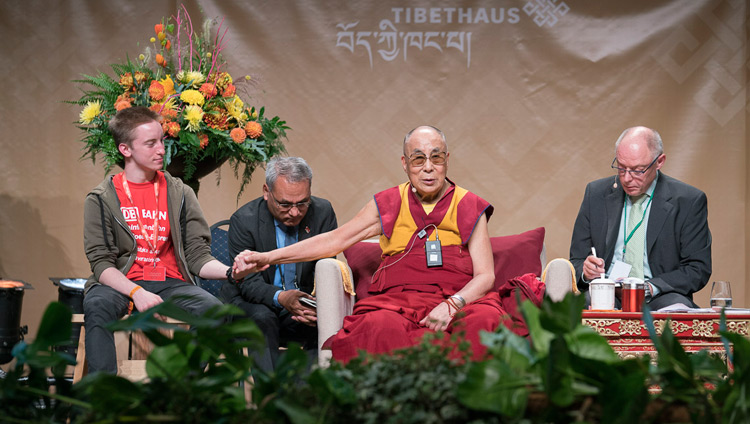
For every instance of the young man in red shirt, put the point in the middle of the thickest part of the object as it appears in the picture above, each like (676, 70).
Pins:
(145, 238)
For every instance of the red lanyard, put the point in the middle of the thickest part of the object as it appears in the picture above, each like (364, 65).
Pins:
(138, 215)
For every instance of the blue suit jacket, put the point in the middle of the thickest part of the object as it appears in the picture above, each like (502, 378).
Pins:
(678, 240)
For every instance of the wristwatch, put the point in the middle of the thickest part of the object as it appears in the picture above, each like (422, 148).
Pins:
(649, 292)
(231, 279)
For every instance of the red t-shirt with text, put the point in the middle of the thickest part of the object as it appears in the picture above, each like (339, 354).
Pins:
(145, 207)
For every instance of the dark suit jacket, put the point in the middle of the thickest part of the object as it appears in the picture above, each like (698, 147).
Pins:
(677, 237)
(252, 227)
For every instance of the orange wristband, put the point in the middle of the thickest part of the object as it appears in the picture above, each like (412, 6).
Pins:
(132, 292)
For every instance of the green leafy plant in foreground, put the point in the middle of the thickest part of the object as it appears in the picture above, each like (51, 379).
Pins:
(194, 376)
(25, 392)
(564, 372)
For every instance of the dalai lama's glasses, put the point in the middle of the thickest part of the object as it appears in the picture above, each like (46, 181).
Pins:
(418, 159)
(284, 207)
(635, 173)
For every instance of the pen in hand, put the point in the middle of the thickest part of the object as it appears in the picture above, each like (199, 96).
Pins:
(593, 252)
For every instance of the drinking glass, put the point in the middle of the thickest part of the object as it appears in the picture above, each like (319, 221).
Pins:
(721, 295)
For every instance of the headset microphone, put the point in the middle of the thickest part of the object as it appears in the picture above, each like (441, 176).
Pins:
(615, 184)
(413, 189)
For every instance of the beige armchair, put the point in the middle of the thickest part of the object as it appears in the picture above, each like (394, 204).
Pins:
(514, 255)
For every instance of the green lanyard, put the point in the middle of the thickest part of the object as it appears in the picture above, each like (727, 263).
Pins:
(624, 228)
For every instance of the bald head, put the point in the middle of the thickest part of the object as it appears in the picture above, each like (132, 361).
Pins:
(641, 137)
(639, 154)
(424, 131)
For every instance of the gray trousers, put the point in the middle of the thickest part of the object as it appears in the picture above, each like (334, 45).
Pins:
(103, 304)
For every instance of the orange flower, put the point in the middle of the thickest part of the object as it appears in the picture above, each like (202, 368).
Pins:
(122, 102)
(161, 36)
(140, 77)
(216, 120)
(156, 90)
(161, 61)
(222, 80)
(126, 81)
(173, 128)
(238, 135)
(168, 45)
(204, 140)
(169, 113)
(253, 129)
(229, 91)
(158, 28)
(208, 90)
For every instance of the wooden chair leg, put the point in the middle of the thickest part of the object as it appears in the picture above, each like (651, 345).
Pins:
(82, 367)
(132, 350)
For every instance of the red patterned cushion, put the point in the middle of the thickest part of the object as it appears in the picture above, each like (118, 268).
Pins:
(513, 255)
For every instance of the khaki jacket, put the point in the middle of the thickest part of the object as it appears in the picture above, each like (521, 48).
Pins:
(108, 242)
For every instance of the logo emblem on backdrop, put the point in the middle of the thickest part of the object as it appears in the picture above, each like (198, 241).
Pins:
(393, 37)
(546, 12)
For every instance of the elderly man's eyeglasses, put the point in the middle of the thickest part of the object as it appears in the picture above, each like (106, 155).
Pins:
(418, 159)
(284, 207)
(632, 172)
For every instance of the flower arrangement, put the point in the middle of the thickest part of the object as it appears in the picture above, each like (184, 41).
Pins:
(181, 75)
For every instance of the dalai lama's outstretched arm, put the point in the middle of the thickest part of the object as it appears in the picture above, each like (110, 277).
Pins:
(364, 225)
(484, 277)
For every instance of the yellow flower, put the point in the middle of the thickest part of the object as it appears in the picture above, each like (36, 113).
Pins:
(223, 79)
(193, 115)
(152, 39)
(192, 97)
(90, 111)
(193, 78)
(168, 85)
(235, 110)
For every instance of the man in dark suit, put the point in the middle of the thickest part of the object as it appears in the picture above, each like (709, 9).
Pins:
(285, 214)
(655, 224)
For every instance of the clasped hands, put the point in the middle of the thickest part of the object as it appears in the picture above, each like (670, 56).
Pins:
(248, 261)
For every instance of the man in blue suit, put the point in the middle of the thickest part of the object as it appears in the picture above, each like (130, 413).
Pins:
(651, 222)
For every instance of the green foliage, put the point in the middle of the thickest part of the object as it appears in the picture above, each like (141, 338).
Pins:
(563, 368)
(25, 392)
(413, 385)
(194, 375)
(563, 373)
(734, 392)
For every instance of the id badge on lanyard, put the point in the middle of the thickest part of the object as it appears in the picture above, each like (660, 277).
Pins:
(154, 272)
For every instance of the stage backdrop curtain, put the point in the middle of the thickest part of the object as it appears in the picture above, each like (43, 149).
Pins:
(531, 95)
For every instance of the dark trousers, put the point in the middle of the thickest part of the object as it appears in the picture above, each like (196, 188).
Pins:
(103, 304)
(278, 328)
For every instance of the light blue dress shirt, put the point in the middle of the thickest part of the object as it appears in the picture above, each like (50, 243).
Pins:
(280, 242)
(620, 243)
